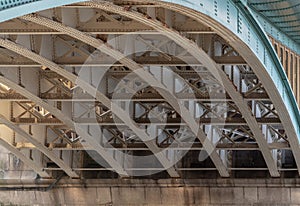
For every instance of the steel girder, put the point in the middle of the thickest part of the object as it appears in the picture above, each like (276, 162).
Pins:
(284, 14)
(199, 54)
(283, 87)
(256, 128)
(100, 97)
(37, 144)
(144, 75)
(290, 128)
(267, 60)
(90, 140)
(234, 10)
(244, 51)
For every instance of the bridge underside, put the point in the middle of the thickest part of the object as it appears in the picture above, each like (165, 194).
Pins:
(95, 90)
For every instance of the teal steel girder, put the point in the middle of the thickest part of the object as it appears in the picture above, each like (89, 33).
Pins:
(278, 34)
(284, 14)
(233, 14)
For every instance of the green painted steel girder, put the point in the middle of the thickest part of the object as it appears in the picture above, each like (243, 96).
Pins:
(281, 13)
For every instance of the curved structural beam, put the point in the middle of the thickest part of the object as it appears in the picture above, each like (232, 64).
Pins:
(199, 54)
(90, 140)
(264, 63)
(36, 143)
(269, 74)
(279, 29)
(146, 76)
(204, 11)
(34, 166)
(101, 98)
(12, 10)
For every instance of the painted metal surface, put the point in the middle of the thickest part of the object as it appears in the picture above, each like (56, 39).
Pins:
(248, 29)
(232, 14)
(284, 14)
(10, 9)
(276, 33)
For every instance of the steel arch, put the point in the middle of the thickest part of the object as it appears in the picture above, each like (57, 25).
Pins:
(100, 97)
(265, 54)
(90, 140)
(198, 53)
(144, 75)
(265, 58)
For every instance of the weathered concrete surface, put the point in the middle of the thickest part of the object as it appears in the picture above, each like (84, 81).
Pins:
(162, 192)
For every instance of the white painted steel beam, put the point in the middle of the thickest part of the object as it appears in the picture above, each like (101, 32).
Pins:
(253, 62)
(101, 98)
(90, 140)
(199, 54)
(257, 66)
(37, 144)
(139, 70)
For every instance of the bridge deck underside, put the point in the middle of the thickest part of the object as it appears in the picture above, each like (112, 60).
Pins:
(132, 89)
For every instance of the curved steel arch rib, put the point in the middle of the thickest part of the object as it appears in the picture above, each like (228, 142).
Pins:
(90, 140)
(146, 76)
(254, 63)
(199, 54)
(101, 98)
(34, 166)
(228, 31)
(34, 141)
(290, 116)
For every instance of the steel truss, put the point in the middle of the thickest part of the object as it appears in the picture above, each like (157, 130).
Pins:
(231, 109)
